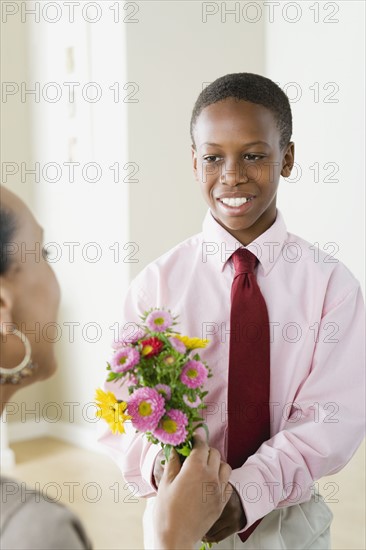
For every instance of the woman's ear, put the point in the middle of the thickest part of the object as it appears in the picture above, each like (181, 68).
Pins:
(6, 305)
(288, 160)
(194, 161)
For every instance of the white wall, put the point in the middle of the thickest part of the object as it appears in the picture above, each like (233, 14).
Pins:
(85, 212)
(79, 211)
(172, 53)
(308, 52)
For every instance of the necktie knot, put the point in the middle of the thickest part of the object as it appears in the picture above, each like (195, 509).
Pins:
(244, 261)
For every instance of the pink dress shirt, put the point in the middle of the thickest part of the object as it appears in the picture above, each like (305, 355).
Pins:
(315, 308)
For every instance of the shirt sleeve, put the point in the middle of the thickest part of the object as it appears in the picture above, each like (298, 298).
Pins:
(325, 425)
(133, 454)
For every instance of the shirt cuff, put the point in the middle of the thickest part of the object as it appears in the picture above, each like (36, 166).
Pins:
(255, 494)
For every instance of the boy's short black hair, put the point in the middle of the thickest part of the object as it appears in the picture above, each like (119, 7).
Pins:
(248, 87)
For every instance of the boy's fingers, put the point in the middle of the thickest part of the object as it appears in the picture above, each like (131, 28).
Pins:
(172, 467)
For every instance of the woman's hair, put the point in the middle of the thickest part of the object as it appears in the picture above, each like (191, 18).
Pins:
(7, 230)
(248, 87)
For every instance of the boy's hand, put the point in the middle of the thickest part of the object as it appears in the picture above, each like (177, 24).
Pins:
(158, 468)
(231, 520)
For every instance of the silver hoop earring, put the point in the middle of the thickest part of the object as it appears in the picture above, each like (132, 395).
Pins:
(24, 369)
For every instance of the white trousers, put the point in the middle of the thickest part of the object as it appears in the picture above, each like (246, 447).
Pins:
(301, 526)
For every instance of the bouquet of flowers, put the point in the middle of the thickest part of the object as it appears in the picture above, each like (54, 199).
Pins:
(165, 379)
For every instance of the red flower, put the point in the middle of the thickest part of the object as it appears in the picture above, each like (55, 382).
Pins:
(151, 346)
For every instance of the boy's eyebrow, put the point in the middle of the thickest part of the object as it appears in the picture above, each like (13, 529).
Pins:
(245, 144)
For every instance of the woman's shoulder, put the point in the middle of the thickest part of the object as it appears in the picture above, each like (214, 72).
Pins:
(30, 519)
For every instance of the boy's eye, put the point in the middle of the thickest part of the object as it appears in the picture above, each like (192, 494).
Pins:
(211, 158)
(252, 157)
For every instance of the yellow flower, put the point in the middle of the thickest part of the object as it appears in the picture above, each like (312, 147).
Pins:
(192, 343)
(111, 410)
(146, 350)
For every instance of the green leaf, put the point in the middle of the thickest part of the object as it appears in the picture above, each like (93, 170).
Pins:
(185, 451)
(113, 376)
(167, 450)
(205, 427)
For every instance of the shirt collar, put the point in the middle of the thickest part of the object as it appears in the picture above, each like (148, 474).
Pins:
(218, 244)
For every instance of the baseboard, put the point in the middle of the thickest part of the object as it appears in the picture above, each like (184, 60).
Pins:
(86, 438)
(22, 431)
(80, 436)
(7, 459)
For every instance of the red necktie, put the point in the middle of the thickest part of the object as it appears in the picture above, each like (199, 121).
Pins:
(249, 366)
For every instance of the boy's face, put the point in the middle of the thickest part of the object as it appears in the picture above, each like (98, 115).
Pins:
(238, 157)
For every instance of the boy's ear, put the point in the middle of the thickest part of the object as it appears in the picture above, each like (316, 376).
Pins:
(194, 161)
(288, 160)
(6, 303)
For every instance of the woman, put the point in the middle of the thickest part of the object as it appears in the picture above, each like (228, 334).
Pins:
(30, 295)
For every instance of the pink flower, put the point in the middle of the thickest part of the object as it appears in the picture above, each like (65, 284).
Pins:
(165, 391)
(159, 320)
(146, 407)
(172, 428)
(192, 404)
(177, 345)
(128, 335)
(124, 359)
(194, 374)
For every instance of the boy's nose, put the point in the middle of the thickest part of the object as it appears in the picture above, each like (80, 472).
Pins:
(233, 174)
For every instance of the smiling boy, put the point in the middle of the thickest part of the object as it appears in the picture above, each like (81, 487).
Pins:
(241, 128)
(248, 158)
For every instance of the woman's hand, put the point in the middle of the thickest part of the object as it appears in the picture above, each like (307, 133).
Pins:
(191, 497)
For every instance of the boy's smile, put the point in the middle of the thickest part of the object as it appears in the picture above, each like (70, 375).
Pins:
(238, 162)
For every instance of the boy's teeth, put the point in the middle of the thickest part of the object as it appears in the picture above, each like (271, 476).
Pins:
(236, 201)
